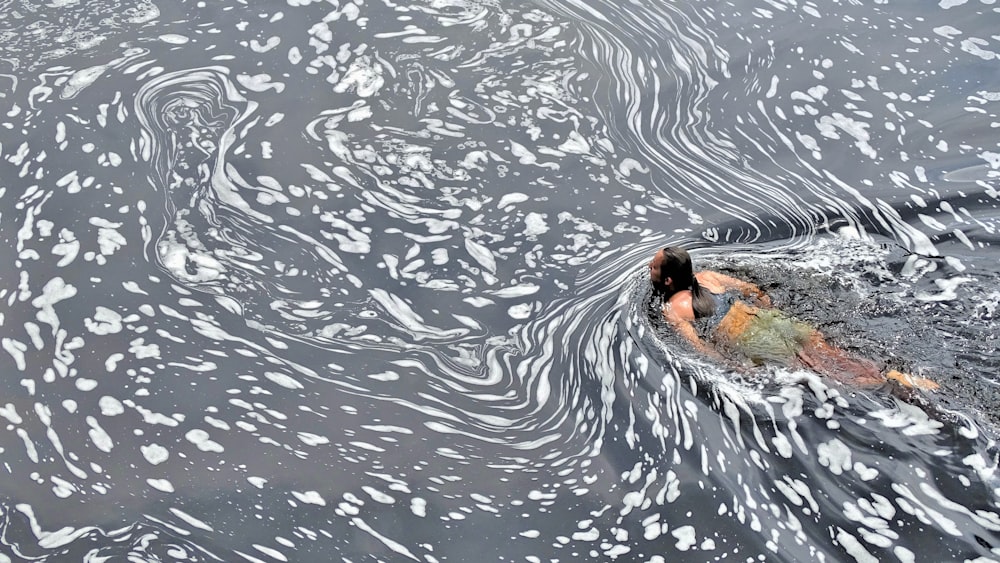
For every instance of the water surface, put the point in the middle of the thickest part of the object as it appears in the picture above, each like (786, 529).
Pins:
(358, 281)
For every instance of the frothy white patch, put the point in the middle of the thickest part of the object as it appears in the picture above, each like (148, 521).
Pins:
(520, 311)
(685, 537)
(616, 551)
(360, 114)
(526, 157)
(854, 548)
(312, 439)
(105, 321)
(409, 319)
(141, 350)
(111, 364)
(260, 83)
(84, 384)
(191, 520)
(110, 406)
(575, 144)
(68, 248)
(108, 237)
(913, 420)
(948, 289)
(385, 376)
(9, 412)
(81, 79)
(364, 76)
(283, 380)
(519, 290)
(829, 124)
(388, 542)
(310, 497)
(155, 454)
(162, 485)
(16, 349)
(178, 260)
(98, 436)
(54, 291)
(271, 43)
(200, 438)
(270, 552)
(418, 507)
(835, 455)
(511, 198)
(974, 46)
(378, 496)
(535, 224)
(864, 472)
(904, 555)
(174, 38)
(481, 255)
(947, 31)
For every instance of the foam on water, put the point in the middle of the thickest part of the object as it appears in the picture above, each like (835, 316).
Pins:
(363, 279)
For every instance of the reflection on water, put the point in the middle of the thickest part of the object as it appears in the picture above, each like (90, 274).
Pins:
(367, 279)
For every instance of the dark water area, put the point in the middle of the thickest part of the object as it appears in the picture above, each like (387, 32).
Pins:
(366, 281)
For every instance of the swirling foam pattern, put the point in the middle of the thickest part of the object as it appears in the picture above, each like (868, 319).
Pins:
(337, 280)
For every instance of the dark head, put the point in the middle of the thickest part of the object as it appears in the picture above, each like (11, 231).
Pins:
(671, 271)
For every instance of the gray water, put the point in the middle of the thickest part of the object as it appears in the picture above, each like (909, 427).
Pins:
(365, 281)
